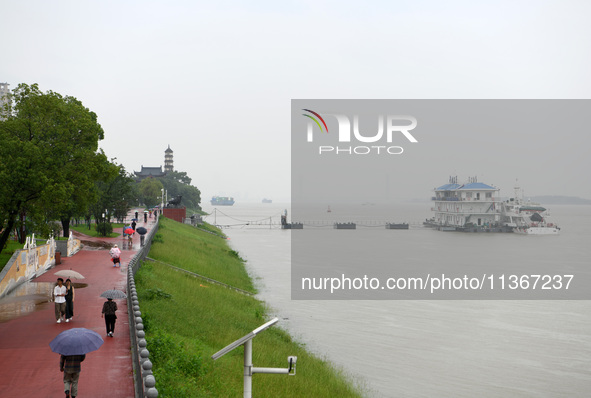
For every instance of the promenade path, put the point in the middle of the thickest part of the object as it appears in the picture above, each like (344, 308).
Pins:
(28, 367)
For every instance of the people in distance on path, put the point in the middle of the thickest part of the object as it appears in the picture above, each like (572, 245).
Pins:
(109, 309)
(115, 256)
(136, 214)
(70, 366)
(69, 300)
(145, 217)
(133, 224)
(59, 298)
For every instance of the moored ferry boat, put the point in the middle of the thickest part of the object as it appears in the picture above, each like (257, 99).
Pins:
(469, 207)
(477, 207)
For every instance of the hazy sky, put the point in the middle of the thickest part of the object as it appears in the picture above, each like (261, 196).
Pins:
(214, 80)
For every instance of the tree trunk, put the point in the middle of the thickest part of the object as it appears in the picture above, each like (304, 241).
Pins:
(6, 232)
(22, 236)
(66, 226)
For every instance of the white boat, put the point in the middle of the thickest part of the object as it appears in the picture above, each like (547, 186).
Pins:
(477, 207)
(526, 217)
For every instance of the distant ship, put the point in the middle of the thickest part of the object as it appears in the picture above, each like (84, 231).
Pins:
(267, 200)
(222, 201)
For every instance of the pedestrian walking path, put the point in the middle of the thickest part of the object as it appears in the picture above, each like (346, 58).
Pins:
(28, 367)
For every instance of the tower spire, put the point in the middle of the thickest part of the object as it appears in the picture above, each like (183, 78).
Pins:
(168, 162)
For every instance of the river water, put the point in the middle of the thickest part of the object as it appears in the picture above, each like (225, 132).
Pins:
(404, 348)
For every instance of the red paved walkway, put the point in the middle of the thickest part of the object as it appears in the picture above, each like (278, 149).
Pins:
(28, 367)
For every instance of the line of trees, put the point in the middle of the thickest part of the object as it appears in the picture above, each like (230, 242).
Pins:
(51, 167)
(175, 183)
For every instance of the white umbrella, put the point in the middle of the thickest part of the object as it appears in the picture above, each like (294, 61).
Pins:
(113, 294)
(68, 273)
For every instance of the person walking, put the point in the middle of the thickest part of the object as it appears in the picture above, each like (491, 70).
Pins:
(70, 366)
(69, 300)
(59, 298)
(109, 308)
(115, 256)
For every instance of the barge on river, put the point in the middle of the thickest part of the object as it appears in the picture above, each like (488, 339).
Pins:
(477, 207)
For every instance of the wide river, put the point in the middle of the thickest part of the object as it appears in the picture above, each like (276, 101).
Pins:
(432, 348)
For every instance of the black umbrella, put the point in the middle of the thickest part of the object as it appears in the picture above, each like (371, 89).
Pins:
(141, 230)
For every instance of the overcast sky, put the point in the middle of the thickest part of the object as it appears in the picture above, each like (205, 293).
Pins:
(214, 80)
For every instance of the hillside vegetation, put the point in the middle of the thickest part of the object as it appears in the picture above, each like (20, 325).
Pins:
(188, 319)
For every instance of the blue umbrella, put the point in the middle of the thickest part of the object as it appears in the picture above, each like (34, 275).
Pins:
(76, 341)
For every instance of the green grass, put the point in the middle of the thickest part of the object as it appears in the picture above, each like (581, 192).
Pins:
(8, 251)
(83, 229)
(187, 320)
(200, 252)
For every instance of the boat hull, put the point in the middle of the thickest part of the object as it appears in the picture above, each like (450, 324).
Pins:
(537, 231)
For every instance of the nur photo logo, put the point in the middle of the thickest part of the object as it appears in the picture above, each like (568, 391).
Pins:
(388, 127)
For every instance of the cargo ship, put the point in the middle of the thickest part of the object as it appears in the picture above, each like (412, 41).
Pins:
(222, 201)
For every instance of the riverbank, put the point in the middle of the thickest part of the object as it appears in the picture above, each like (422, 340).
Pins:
(188, 319)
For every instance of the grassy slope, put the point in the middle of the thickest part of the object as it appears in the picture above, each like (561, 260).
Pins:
(187, 320)
(11, 247)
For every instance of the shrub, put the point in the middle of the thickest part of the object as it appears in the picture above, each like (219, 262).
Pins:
(104, 229)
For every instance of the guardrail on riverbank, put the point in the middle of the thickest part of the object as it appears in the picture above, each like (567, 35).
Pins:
(142, 366)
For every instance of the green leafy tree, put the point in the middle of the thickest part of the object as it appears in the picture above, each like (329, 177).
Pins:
(114, 193)
(150, 190)
(49, 157)
(178, 183)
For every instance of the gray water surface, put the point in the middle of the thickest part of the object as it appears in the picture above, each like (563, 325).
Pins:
(433, 348)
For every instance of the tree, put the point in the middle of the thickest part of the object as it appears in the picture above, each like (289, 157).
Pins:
(150, 190)
(178, 183)
(50, 157)
(113, 193)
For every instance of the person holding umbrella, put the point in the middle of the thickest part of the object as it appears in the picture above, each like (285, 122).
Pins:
(70, 366)
(142, 231)
(73, 345)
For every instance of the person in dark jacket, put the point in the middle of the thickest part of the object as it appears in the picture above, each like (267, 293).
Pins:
(109, 309)
(70, 294)
(70, 366)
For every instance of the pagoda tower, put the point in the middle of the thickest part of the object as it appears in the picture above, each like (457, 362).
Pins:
(168, 166)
